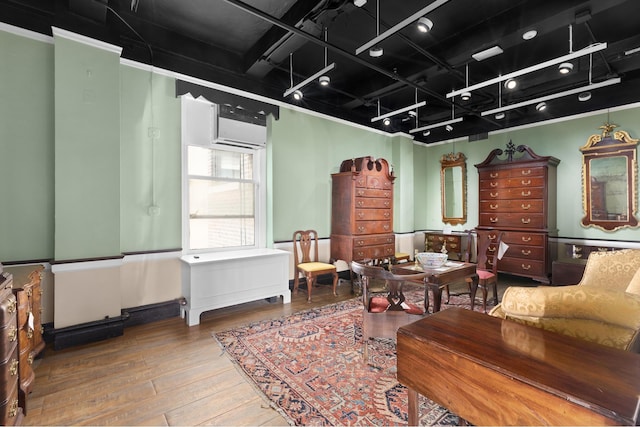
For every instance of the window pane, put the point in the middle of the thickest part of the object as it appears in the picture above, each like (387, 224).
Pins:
(221, 232)
(220, 164)
(220, 198)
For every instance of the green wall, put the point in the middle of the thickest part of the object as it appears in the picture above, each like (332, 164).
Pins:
(108, 169)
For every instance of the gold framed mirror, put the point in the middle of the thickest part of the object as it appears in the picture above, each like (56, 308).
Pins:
(453, 188)
(609, 180)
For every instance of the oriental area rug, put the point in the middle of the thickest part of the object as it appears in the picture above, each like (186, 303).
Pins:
(311, 367)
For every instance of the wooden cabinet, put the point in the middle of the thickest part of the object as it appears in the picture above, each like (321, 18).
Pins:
(10, 409)
(455, 244)
(362, 210)
(518, 196)
(28, 294)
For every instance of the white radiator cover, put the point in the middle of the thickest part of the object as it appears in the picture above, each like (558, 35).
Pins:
(221, 279)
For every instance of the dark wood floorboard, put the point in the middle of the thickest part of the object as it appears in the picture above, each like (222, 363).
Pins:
(163, 373)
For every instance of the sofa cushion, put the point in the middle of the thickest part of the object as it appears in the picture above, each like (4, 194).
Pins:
(634, 284)
(611, 269)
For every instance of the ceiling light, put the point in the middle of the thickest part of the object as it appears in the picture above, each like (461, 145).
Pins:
(424, 25)
(297, 95)
(309, 79)
(465, 96)
(400, 25)
(376, 52)
(324, 80)
(510, 84)
(596, 47)
(386, 121)
(541, 106)
(359, 3)
(487, 53)
(426, 133)
(435, 125)
(528, 35)
(592, 86)
(449, 128)
(401, 110)
(500, 116)
(584, 96)
(565, 68)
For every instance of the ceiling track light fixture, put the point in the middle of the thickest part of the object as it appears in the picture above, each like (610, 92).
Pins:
(510, 84)
(565, 68)
(386, 121)
(553, 96)
(400, 25)
(377, 51)
(596, 47)
(465, 96)
(325, 80)
(297, 95)
(584, 96)
(424, 24)
(359, 3)
(541, 106)
(305, 82)
(447, 124)
(400, 111)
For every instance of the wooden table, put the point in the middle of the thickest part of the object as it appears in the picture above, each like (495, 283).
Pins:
(438, 278)
(490, 371)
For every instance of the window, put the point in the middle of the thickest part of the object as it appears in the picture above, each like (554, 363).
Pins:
(223, 193)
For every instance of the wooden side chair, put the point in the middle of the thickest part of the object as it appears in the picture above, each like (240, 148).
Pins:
(305, 253)
(384, 314)
(488, 247)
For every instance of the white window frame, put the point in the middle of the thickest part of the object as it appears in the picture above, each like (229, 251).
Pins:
(259, 178)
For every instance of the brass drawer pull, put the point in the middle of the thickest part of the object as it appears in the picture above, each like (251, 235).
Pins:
(453, 245)
(13, 367)
(494, 207)
(491, 249)
(387, 214)
(493, 184)
(31, 358)
(12, 306)
(494, 195)
(386, 227)
(13, 334)
(360, 203)
(526, 207)
(492, 237)
(526, 193)
(360, 215)
(13, 409)
(525, 221)
(526, 172)
(360, 242)
(361, 229)
(29, 333)
(527, 182)
(493, 175)
(526, 239)
(389, 240)
(526, 252)
(493, 220)
(386, 203)
(526, 267)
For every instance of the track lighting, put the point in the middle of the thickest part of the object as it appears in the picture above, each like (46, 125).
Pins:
(565, 68)
(541, 106)
(499, 116)
(584, 96)
(386, 121)
(530, 34)
(449, 128)
(510, 84)
(359, 3)
(376, 52)
(424, 25)
(465, 96)
(324, 80)
(426, 133)
(297, 95)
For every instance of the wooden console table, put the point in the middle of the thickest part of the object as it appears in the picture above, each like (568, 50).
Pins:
(490, 371)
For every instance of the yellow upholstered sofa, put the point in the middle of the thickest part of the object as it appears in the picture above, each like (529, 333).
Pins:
(604, 307)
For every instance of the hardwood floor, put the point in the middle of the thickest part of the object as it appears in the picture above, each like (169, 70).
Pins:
(163, 373)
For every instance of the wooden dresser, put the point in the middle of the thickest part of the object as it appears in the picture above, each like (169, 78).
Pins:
(454, 243)
(362, 210)
(518, 196)
(28, 293)
(10, 409)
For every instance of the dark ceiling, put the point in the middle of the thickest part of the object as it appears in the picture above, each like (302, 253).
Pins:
(261, 46)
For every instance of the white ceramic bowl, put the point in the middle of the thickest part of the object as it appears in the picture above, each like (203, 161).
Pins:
(431, 259)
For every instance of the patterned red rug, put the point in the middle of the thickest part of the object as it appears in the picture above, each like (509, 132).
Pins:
(311, 366)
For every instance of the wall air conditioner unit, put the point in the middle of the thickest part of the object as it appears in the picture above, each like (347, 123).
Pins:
(240, 134)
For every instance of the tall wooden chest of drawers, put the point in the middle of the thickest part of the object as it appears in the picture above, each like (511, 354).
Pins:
(362, 210)
(10, 409)
(518, 196)
(28, 293)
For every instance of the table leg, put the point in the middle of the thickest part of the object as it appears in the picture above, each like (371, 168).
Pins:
(413, 407)
(436, 290)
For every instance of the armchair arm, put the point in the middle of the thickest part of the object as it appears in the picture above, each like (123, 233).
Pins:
(576, 302)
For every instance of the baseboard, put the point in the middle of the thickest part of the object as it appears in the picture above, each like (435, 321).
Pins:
(86, 333)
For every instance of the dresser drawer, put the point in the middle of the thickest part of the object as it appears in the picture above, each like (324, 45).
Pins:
(367, 192)
(379, 182)
(512, 173)
(515, 205)
(373, 203)
(9, 369)
(373, 214)
(374, 252)
(528, 252)
(526, 220)
(524, 238)
(381, 239)
(512, 193)
(523, 182)
(521, 266)
(373, 227)
(9, 410)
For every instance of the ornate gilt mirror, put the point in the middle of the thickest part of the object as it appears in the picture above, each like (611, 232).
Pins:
(453, 188)
(609, 180)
